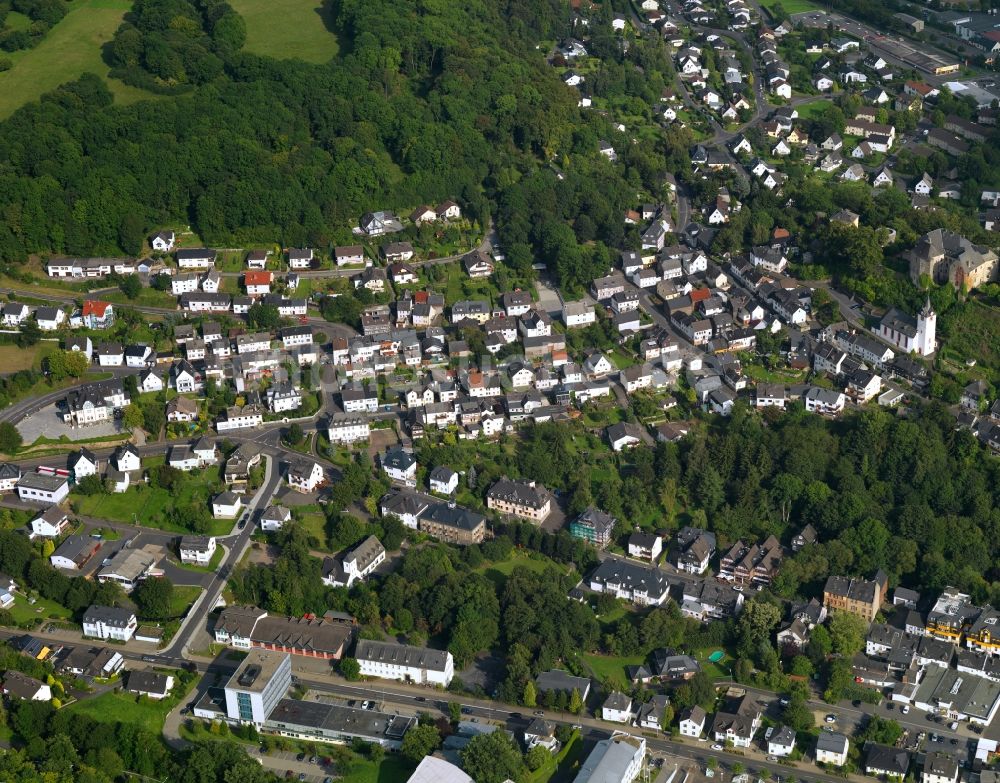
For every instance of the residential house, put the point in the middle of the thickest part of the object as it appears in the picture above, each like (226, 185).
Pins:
(695, 548)
(519, 498)
(644, 585)
(737, 722)
(106, 622)
(617, 708)
(400, 465)
(305, 475)
(831, 748)
(692, 722)
(197, 550)
(645, 546)
(781, 743)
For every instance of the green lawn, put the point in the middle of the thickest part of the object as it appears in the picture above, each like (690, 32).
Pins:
(498, 572)
(287, 29)
(124, 707)
(717, 671)
(809, 110)
(972, 331)
(457, 285)
(71, 48)
(609, 668)
(13, 358)
(148, 505)
(562, 767)
(43, 609)
(391, 769)
(314, 523)
(622, 358)
(790, 6)
(183, 597)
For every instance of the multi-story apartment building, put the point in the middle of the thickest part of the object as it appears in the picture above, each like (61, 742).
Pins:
(862, 597)
(519, 498)
(403, 662)
(751, 564)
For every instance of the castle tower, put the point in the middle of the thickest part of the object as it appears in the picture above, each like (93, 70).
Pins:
(926, 329)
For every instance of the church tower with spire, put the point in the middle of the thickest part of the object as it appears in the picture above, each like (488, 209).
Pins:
(926, 329)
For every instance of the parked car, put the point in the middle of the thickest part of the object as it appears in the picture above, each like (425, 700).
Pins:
(717, 747)
(831, 718)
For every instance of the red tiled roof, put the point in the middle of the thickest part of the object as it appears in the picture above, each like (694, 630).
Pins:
(256, 278)
(93, 307)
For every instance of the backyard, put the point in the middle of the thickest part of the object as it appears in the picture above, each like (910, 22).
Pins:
(498, 572)
(148, 505)
(115, 707)
(610, 669)
(42, 609)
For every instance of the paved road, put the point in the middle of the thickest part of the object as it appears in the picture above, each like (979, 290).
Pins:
(198, 615)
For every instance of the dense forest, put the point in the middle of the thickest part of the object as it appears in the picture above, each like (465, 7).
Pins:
(427, 102)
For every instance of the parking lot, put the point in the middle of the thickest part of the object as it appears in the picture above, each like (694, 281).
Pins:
(284, 762)
(48, 423)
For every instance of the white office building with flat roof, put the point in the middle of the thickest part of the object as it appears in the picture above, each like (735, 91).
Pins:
(256, 687)
(617, 759)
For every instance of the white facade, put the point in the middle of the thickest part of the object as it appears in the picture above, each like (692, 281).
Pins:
(31, 488)
(101, 622)
(349, 429)
(198, 553)
(444, 485)
(51, 524)
(832, 749)
(226, 506)
(692, 726)
(274, 518)
(405, 663)
(921, 341)
(257, 686)
(305, 479)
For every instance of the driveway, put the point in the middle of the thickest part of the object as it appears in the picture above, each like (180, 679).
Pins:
(548, 297)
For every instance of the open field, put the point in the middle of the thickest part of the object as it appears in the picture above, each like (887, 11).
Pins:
(498, 572)
(287, 29)
(113, 707)
(813, 108)
(183, 596)
(147, 505)
(13, 358)
(611, 669)
(790, 6)
(71, 48)
(972, 331)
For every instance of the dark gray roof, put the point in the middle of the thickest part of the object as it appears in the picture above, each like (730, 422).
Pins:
(147, 682)
(109, 615)
(401, 655)
(559, 680)
(892, 761)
